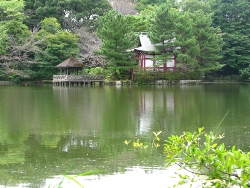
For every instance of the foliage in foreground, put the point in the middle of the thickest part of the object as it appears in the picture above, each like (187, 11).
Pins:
(67, 178)
(203, 155)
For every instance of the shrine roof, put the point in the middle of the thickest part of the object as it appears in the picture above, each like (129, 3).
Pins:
(146, 44)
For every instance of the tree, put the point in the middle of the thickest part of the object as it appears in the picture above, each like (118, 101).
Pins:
(58, 46)
(190, 33)
(185, 39)
(17, 63)
(38, 10)
(89, 43)
(3, 40)
(16, 29)
(50, 25)
(115, 34)
(233, 19)
(84, 13)
(144, 4)
(138, 23)
(208, 37)
(11, 10)
(16, 44)
(170, 28)
(11, 16)
(195, 5)
(161, 31)
(125, 7)
(70, 14)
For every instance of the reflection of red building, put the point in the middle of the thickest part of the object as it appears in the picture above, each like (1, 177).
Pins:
(146, 51)
(155, 106)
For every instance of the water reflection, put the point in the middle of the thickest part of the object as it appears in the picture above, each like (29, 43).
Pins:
(157, 105)
(136, 176)
(47, 131)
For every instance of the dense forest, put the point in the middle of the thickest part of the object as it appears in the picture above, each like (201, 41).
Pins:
(36, 35)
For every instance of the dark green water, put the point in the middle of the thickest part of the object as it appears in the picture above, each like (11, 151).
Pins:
(48, 131)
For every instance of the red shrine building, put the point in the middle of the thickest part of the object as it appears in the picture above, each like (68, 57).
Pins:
(146, 51)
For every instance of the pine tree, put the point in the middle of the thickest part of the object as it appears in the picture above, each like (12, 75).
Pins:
(162, 32)
(190, 32)
(115, 34)
(208, 37)
(232, 16)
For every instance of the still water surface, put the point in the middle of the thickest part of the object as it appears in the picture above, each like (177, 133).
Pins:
(48, 132)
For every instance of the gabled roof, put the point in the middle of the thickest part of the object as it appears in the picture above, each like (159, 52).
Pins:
(145, 44)
(71, 62)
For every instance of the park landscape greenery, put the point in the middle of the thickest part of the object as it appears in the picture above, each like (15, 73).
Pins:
(214, 37)
(211, 37)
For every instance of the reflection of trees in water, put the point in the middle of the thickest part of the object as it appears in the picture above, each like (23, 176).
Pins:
(13, 149)
(156, 110)
(74, 130)
(50, 154)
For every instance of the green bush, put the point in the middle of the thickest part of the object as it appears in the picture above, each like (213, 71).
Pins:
(191, 75)
(95, 71)
(245, 73)
(201, 154)
(205, 157)
(149, 77)
(144, 77)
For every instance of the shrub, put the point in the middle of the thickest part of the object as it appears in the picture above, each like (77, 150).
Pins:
(96, 71)
(202, 155)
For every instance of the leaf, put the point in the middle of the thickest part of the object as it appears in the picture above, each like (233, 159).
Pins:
(74, 180)
(158, 133)
(214, 145)
(126, 142)
(156, 145)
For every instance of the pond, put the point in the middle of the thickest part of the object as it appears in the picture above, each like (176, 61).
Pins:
(50, 133)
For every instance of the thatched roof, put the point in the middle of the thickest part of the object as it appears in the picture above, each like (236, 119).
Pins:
(70, 63)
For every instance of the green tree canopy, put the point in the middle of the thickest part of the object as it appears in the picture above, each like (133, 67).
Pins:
(11, 17)
(3, 40)
(115, 33)
(138, 23)
(17, 29)
(189, 31)
(195, 5)
(144, 4)
(232, 16)
(60, 46)
(50, 25)
(70, 14)
(11, 9)
(52, 46)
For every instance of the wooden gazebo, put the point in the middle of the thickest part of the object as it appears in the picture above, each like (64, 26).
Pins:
(70, 66)
(69, 74)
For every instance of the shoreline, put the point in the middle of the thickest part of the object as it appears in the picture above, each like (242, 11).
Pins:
(130, 83)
